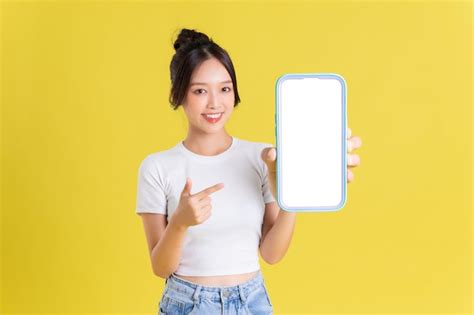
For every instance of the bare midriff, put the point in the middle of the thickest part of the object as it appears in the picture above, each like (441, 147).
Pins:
(220, 281)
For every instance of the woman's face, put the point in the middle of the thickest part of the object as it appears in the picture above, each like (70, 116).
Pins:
(210, 91)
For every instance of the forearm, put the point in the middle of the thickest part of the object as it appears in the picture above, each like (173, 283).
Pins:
(278, 238)
(166, 254)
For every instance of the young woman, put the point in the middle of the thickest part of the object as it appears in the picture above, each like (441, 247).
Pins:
(207, 204)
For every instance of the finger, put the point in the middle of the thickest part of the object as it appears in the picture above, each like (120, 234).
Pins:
(205, 201)
(187, 187)
(353, 143)
(356, 142)
(206, 208)
(353, 160)
(206, 214)
(350, 176)
(209, 190)
(272, 154)
(350, 146)
(268, 155)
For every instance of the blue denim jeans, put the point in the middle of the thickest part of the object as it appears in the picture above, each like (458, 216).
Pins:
(183, 297)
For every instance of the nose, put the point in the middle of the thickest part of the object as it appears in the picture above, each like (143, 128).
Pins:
(214, 101)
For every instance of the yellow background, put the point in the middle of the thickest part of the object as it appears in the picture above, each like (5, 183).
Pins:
(85, 88)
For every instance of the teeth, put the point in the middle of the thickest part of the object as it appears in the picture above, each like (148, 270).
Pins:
(214, 116)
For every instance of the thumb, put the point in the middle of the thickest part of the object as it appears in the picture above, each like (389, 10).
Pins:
(187, 187)
(269, 155)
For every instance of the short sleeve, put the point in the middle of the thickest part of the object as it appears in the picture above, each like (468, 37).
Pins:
(266, 192)
(151, 194)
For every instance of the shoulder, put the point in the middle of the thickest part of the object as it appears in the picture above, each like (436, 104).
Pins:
(161, 156)
(253, 150)
(159, 161)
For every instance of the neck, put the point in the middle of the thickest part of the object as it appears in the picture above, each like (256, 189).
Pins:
(208, 143)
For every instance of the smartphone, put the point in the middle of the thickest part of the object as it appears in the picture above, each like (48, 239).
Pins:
(310, 131)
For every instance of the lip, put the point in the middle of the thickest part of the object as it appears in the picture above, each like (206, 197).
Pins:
(212, 120)
(213, 113)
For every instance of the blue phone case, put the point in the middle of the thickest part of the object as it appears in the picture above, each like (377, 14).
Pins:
(343, 180)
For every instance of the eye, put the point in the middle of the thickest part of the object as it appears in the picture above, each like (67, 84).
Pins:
(228, 88)
(198, 90)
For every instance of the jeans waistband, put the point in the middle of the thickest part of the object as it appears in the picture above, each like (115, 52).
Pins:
(196, 291)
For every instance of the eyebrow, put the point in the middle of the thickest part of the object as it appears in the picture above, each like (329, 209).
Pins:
(202, 83)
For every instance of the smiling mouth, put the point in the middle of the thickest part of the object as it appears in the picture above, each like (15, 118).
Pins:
(213, 115)
(213, 118)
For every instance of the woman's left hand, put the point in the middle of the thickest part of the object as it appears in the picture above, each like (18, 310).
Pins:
(353, 142)
(353, 160)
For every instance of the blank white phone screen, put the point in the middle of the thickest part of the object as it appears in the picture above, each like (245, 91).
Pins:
(310, 134)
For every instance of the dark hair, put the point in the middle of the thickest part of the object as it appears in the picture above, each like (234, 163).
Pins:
(193, 48)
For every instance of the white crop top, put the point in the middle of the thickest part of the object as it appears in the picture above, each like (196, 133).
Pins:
(227, 242)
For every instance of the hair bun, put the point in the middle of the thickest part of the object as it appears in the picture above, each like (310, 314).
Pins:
(188, 36)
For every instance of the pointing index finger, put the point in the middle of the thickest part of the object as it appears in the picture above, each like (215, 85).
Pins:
(209, 190)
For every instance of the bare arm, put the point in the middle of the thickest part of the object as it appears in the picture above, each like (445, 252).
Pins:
(165, 242)
(277, 233)
(278, 225)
